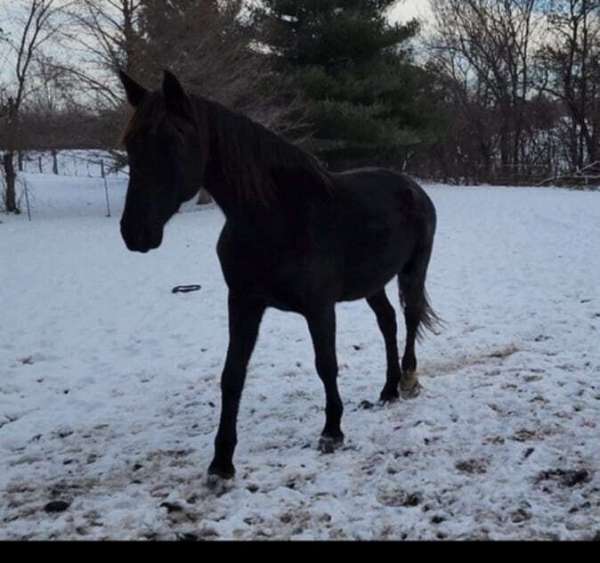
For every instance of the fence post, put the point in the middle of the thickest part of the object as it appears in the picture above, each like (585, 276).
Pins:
(108, 214)
(27, 200)
(54, 162)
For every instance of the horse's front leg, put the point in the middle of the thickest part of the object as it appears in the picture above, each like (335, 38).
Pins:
(244, 321)
(321, 324)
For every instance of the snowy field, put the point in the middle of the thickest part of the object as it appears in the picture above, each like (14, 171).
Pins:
(109, 384)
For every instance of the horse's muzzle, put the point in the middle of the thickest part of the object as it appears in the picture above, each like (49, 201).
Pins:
(141, 239)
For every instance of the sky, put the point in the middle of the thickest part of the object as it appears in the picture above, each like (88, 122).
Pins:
(405, 11)
(412, 8)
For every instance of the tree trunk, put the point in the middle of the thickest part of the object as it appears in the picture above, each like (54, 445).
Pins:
(11, 180)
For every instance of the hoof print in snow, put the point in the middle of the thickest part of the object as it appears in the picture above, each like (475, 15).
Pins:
(414, 500)
(366, 405)
(400, 498)
(520, 516)
(524, 435)
(57, 506)
(187, 537)
(566, 478)
(472, 466)
(171, 507)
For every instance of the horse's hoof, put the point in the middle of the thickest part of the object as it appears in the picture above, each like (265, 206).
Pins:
(225, 472)
(410, 388)
(328, 444)
(218, 485)
(389, 397)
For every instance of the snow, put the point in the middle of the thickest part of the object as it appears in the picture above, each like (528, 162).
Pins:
(109, 384)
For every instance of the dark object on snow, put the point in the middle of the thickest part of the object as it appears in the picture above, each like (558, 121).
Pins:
(296, 237)
(567, 478)
(186, 288)
(57, 506)
(171, 507)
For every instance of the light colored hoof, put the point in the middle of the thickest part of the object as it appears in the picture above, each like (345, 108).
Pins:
(328, 445)
(218, 485)
(410, 388)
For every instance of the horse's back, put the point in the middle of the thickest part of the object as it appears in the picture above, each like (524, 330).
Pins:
(374, 187)
(383, 218)
(380, 197)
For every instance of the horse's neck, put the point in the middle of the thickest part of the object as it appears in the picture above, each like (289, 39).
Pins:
(217, 186)
(290, 199)
(272, 223)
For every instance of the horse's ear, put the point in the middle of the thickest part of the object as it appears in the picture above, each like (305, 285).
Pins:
(177, 100)
(135, 92)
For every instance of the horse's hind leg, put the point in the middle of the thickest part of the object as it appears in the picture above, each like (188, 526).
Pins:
(417, 314)
(386, 319)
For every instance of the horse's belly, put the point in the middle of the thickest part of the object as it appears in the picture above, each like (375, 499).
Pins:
(360, 285)
(372, 264)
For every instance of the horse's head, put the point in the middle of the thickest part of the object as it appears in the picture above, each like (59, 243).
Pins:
(167, 157)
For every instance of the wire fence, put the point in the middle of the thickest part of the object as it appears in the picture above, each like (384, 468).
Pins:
(82, 163)
(93, 164)
(90, 164)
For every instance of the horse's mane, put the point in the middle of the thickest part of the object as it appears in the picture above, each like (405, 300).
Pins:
(256, 162)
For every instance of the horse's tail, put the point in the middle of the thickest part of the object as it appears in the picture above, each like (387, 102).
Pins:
(416, 304)
(418, 312)
(413, 296)
(429, 318)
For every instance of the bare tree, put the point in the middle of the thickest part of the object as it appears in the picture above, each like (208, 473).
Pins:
(36, 29)
(485, 47)
(105, 36)
(569, 68)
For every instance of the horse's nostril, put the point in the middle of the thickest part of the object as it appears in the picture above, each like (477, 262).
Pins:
(142, 239)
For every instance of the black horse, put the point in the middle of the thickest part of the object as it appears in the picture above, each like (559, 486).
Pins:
(296, 238)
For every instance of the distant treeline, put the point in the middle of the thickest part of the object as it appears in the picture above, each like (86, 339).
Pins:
(496, 91)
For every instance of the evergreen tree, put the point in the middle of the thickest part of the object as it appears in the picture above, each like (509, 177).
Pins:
(367, 101)
(209, 45)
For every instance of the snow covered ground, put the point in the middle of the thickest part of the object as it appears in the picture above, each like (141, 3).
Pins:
(109, 386)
